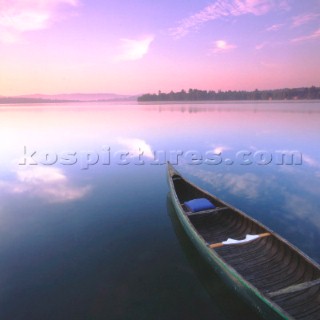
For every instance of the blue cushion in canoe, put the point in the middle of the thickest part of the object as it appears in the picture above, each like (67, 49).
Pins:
(200, 204)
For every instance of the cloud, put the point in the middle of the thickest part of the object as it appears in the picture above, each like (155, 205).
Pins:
(275, 27)
(8, 37)
(222, 46)
(136, 147)
(312, 36)
(261, 45)
(223, 8)
(47, 183)
(18, 17)
(26, 21)
(134, 49)
(297, 21)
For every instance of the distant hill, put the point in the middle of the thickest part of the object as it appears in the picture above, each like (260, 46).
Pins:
(23, 100)
(68, 97)
(82, 96)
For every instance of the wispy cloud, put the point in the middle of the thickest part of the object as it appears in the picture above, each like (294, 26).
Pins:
(223, 8)
(18, 17)
(222, 46)
(297, 21)
(312, 36)
(134, 49)
(270, 65)
(261, 45)
(275, 27)
(47, 183)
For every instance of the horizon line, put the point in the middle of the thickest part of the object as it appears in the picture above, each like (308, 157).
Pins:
(138, 94)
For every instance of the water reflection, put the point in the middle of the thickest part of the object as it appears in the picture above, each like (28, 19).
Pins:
(284, 200)
(134, 146)
(238, 106)
(222, 296)
(66, 221)
(46, 183)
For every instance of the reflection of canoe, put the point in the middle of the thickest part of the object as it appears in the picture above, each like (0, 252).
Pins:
(272, 275)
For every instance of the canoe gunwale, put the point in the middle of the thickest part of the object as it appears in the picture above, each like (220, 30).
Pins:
(228, 206)
(217, 260)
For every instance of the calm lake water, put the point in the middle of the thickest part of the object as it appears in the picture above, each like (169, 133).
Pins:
(87, 230)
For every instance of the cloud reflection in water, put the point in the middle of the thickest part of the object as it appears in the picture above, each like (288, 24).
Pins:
(246, 185)
(47, 183)
(134, 146)
(284, 200)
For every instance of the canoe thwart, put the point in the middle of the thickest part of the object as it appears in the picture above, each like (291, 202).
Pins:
(206, 211)
(247, 239)
(295, 288)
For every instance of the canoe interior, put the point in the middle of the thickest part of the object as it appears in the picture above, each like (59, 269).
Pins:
(283, 274)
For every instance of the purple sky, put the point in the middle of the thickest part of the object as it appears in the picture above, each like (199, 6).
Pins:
(133, 47)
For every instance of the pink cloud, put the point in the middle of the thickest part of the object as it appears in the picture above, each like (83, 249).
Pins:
(261, 45)
(132, 49)
(18, 17)
(223, 46)
(297, 21)
(275, 27)
(25, 21)
(312, 36)
(224, 8)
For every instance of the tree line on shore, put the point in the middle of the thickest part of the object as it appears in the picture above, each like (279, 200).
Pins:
(306, 93)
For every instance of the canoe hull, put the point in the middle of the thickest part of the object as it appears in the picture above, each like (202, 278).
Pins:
(252, 296)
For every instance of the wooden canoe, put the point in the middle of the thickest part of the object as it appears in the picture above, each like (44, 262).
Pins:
(272, 275)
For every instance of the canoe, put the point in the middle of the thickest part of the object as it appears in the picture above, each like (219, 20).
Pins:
(273, 276)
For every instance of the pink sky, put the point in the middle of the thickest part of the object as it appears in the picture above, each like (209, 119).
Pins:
(133, 47)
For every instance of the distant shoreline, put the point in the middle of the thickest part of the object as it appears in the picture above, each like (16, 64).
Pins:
(305, 93)
(13, 100)
(66, 98)
(190, 96)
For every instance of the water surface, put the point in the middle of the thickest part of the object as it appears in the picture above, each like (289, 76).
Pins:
(87, 229)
